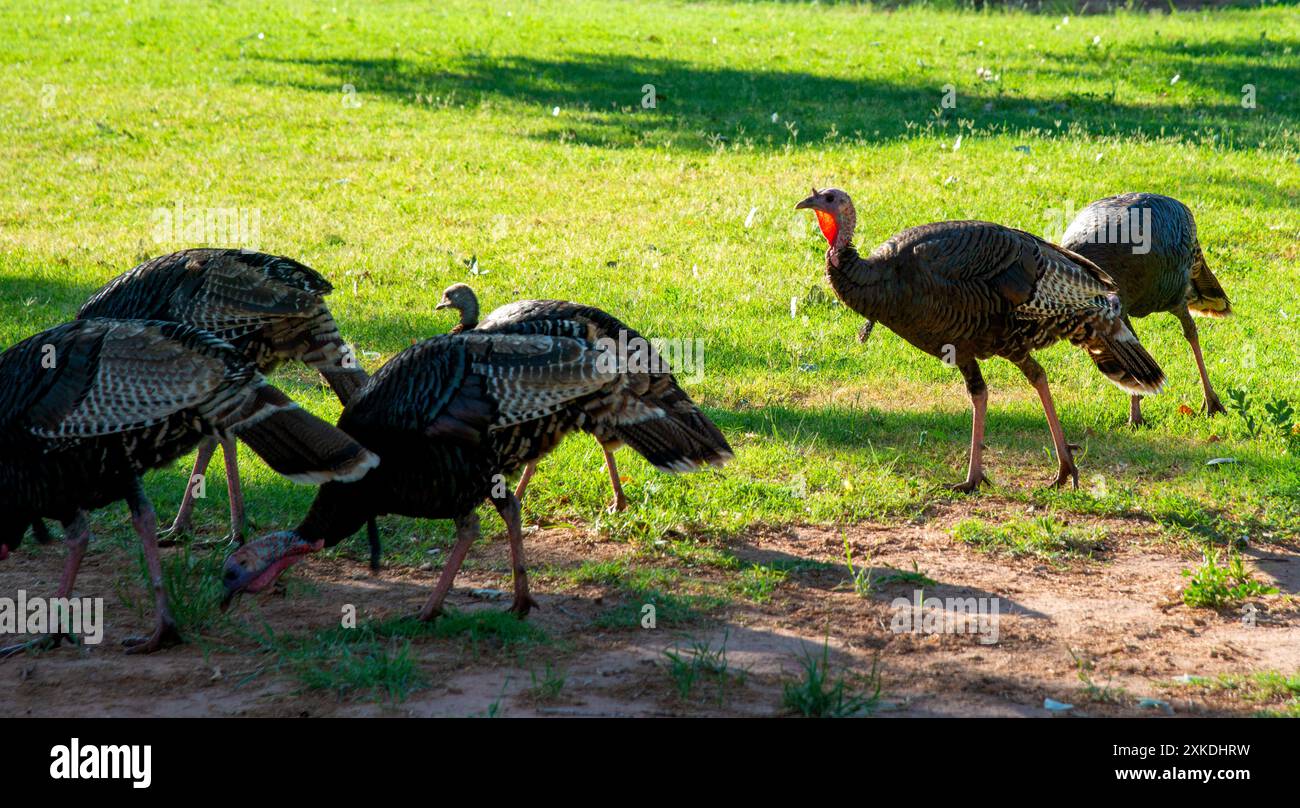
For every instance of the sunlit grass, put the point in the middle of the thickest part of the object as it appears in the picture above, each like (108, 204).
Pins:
(515, 134)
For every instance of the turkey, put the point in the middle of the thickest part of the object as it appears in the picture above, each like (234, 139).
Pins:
(88, 407)
(649, 375)
(270, 308)
(1147, 244)
(966, 291)
(452, 417)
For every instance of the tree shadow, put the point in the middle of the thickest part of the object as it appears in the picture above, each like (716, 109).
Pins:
(30, 304)
(701, 108)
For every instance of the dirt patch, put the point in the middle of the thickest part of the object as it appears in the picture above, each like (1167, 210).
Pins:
(1102, 634)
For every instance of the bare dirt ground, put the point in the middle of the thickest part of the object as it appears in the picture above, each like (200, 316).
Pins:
(1117, 618)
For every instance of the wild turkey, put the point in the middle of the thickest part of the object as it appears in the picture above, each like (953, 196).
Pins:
(89, 406)
(649, 375)
(1147, 244)
(965, 291)
(452, 417)
(270, 308)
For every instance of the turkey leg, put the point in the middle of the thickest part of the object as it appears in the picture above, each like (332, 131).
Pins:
(529, 471)
(1134, 401)
(1212, 404)
(372, 535)
(620, 501)
(76, 535)
(508, 506)
(145, 523)
(1064, 451)
(466, 534)
(979, 400)
(183, 521)
(230, 454)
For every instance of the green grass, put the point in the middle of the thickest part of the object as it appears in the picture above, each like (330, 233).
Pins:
(914, 577)
(549, 685)
(1277, 693)
(482, 625)
(513, 140)
(1045, 537)
(819, 693)
(670, 609)
(1211, 586)
(192, 581)
(371, 661)
(701, 663)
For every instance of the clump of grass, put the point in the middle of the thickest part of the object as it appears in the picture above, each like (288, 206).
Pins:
(757, 582)
(1278, 419)
(819, 694)
(669, 609)
(1091, 690)
(604, 573)
(484, 625)
(378, 668)
(549, 685)
(702, 663)
(1044, 537)
(1279, 691)
(1211, 586)
(372, 660)
(859, 577)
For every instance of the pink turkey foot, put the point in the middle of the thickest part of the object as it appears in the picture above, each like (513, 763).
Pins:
(522, 604)
(231, 541)
(169, 536)
(1213, 407)
(164, 636)
(970, 484)
(618, 505)
(1135, 418)
(47, 643)
(1069, 472)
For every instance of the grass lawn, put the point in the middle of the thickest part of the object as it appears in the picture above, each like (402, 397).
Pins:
(401, 147)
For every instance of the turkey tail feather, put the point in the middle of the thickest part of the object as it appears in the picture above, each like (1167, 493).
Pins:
(299, 445)
(676, 435)
(345, 382)
(671, 446)
(1123, 360)
(1208, 298)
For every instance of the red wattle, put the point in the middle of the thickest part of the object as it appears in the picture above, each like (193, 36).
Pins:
(830, 227)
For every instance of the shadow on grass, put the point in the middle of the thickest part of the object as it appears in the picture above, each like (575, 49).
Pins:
(888, 583)
(32, 303)
(704, 107)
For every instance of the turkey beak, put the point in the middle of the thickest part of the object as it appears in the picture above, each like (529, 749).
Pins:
(256, 565)
(811, 203)
(442, 304)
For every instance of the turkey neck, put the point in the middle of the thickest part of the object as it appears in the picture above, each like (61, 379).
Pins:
(862, 284)
(468, 319)
(339, 510)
